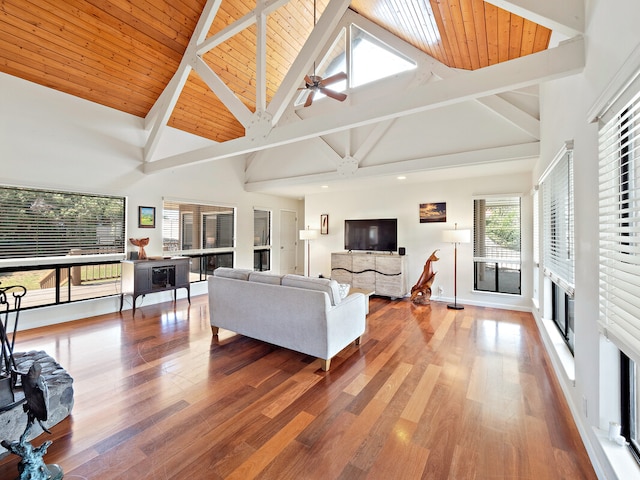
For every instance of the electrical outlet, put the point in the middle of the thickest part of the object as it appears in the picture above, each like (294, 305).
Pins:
(584, 406)
(440, 291)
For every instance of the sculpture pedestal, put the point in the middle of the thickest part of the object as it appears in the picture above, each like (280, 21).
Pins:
(60, 385)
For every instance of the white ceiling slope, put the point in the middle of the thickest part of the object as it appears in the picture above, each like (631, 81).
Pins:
(431, 118)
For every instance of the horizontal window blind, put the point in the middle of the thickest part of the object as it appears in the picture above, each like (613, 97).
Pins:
(619, 216)
(496, 230)
(45, 223)
(558, 242)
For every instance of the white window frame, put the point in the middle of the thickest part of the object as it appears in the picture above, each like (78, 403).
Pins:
(502, 261)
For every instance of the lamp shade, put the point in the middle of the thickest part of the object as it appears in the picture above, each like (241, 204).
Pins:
(456, 236)
(308, 234)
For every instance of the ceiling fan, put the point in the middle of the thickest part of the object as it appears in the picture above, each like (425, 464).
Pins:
(315, 83)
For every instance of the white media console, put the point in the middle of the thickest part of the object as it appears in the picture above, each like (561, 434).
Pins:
(383, 273)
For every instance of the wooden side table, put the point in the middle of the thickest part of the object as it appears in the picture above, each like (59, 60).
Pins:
(367, 295)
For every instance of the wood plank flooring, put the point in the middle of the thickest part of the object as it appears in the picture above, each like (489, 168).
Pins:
(431, 393)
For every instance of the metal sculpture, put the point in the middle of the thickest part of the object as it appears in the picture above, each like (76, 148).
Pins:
(421, 291)
(36, 406)
(10, 301)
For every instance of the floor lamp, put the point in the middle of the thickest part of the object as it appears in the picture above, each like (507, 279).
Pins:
(456, 236)
(308, 235)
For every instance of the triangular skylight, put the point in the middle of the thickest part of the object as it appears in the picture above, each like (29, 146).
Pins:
(371, 59)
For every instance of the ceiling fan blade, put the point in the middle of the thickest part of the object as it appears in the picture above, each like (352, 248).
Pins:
(335, 95)
(333, 79)
(310, 98)
(307, 80)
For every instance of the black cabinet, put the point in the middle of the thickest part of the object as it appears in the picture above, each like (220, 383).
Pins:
(140, 277)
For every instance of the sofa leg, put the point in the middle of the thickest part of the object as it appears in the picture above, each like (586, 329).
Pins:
(358, 341)
(214, 330)
(325, 364)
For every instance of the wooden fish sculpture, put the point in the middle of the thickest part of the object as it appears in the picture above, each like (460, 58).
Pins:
(140, 243)
(421, 291)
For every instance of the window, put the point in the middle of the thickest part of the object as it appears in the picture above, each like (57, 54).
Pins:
(261, 240)
(193, 226)
(536, 247)
(496, 244)
(206, 233)
(558, 258)
(619, 216)
(61, 246)
(370, 59)
(630, 408)
(557, 198)
(46, 223)
(619, 232)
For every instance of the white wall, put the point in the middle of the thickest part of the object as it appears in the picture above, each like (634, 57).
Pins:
(402, 201)
(612, 34)
(52, 140)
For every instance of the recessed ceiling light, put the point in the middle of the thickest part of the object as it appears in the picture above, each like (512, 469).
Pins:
(401, 177)
(324, 186)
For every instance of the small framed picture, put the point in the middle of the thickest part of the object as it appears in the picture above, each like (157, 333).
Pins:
(146, 217)
(433, 212)
(324, 224)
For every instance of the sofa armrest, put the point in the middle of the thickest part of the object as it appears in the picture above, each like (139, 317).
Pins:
(346, 322)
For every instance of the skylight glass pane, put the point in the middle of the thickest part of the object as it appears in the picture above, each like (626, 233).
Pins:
(373, 59)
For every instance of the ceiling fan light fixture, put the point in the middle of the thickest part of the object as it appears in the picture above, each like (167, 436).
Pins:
(315, 83)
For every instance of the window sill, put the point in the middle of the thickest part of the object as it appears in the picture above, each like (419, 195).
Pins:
(563, 354)
(501, 294)
(619, 457)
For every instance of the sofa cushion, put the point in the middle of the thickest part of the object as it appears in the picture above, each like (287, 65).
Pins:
(265, 277)
(321, 284)
(235, 273)
(344, 290)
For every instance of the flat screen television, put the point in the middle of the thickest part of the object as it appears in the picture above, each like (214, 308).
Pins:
(380, 235)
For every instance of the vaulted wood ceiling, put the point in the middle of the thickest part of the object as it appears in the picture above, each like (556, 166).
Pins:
(124, 53)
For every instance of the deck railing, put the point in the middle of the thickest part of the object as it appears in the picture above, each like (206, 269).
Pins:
(52, 284)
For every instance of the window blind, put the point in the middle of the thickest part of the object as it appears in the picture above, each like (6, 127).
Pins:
(496, 230)
(619, 217)
(45, 223)
(557, 195)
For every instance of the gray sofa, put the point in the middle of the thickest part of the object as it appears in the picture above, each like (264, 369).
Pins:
(308, 315)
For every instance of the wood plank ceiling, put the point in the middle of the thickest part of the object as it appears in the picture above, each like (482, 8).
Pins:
(122, 53)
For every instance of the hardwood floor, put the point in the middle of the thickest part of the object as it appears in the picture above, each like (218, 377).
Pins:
(430, 393)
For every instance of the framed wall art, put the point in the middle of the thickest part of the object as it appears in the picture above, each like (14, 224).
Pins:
(433, 212)
(324, 224)
(146, 217)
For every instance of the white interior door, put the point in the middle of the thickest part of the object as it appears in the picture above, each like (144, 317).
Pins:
(288, 241)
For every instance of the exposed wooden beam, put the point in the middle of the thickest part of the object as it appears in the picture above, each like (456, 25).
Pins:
(566, 16)
(166, 103)
(518, 117)
(161, 111)
(261, 63)
(566, 59)
(318, 38)
(372, 139)
(459, 159)
(263, 8)
(224, 93)
(515, 115)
